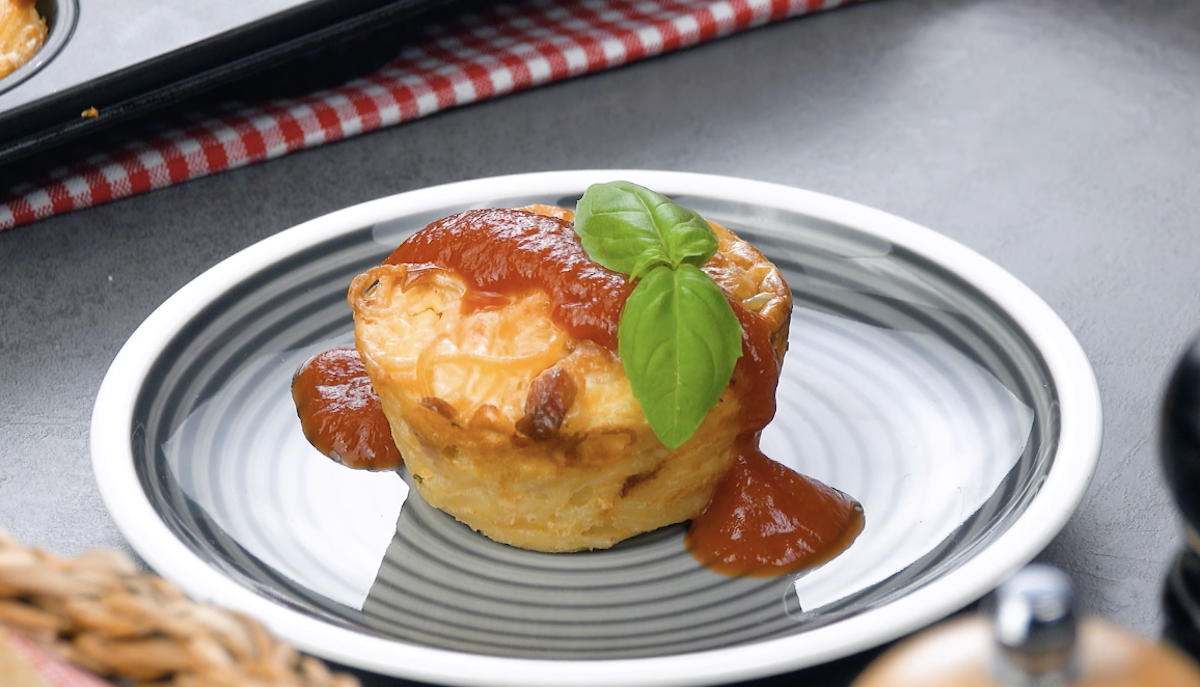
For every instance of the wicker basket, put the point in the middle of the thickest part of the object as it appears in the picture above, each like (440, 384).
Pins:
(98, 612)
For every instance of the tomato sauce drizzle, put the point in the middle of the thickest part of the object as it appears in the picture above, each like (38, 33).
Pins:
(764, 519)
(341, 414)
(507, 252)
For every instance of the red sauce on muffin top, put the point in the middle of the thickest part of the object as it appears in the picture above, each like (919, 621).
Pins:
(502, 253)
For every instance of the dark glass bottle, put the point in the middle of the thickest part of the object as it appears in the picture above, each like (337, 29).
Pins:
(1180, 451)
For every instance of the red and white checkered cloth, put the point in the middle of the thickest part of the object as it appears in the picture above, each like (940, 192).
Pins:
(506, 49)
(50, 670)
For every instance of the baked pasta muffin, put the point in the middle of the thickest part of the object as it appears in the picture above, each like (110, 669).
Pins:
(22, 33)
(490, 339)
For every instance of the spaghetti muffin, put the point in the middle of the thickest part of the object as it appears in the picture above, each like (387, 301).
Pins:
(490, 338)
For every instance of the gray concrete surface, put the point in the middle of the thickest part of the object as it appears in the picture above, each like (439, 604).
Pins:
(1061, 140)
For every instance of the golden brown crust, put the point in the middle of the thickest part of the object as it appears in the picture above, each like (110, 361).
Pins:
(527, 434)
(22, 33)
(746, 274)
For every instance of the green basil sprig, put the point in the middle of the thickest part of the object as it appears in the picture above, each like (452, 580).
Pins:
(678, 337)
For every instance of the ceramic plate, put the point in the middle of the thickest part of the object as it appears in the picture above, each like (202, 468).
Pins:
(921, 379)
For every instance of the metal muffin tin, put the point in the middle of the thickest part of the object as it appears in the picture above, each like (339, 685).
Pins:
(60, 16)
(129, 57)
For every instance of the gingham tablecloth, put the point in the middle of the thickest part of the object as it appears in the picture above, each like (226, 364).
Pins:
(49, 669)
(506, 49)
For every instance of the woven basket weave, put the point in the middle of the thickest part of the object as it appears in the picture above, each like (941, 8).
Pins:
(98, 612)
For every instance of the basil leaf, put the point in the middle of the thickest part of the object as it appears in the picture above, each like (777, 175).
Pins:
(679, 341)
(678, 337)
(631, 229)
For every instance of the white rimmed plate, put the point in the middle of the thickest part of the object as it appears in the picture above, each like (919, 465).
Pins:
(922, 379)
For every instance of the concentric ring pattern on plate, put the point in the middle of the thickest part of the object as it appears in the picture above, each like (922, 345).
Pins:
(921, 379)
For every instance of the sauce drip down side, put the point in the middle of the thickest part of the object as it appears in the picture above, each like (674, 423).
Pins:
(765, 519)
(341, 414)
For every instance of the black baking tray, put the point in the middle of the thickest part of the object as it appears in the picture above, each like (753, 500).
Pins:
(119, 59)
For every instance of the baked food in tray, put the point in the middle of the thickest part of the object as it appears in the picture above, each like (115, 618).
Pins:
(23, 31)
(171, 51)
